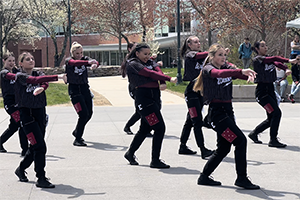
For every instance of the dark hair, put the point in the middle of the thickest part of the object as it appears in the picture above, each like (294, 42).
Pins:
(132, 54)
(137, 48)
(246, 38)
(7, 55)
(185, 45)
(130, 45)
(256, 45)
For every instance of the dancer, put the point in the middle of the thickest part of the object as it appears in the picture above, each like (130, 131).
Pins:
(264, 66)
(296, 78)
(144, 78)
(80, 94)
(215, 82)
(10, 105)
(31, 100)
(193, 63)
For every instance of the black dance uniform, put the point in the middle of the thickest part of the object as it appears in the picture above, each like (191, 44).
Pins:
(80, 94)
(217, 92)
(12, 109)
(265, 96)
(194, 100)
(33, 119)
(144, 78)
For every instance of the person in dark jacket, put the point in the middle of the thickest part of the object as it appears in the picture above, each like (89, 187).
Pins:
(31, 100)
(193, 64)
(78, 88)
(10, 105)
(215, 82)
(144, 77)
(264, 66)
(296, 78)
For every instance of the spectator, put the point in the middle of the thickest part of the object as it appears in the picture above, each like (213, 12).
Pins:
(295, 47)
(296, 78)
(281, 82)
(245, 52)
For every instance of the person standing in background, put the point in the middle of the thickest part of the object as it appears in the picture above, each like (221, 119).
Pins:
(245, 52)
(295, 47)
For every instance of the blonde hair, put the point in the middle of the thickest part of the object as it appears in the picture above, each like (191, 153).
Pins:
(198, 86)
(74, 47)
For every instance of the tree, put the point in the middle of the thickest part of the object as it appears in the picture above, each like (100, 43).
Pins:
(51, 17)
(108, 17)
(260, 15)
(12, 25)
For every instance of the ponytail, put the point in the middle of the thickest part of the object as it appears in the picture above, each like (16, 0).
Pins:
(198, 86)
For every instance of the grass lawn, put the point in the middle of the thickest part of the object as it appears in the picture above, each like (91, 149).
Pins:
(57, 93)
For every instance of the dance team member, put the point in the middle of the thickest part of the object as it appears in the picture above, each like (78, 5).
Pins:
(215, 82)
(78, 88)
(264, 66)
(31, 100)
(10, 105)
(193, 64)
(143, 77)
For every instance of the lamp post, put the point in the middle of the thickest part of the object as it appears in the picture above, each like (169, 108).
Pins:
(47, 49)
(69, 20)
(179, 77)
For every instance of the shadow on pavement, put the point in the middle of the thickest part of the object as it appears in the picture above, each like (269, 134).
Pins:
(70, 190)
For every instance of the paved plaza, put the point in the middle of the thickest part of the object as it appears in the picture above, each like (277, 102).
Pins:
(99, 171)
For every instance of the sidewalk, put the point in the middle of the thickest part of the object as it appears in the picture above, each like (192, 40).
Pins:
(99, 171)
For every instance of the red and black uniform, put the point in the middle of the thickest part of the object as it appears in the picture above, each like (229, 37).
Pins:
(33, 117)
(264, 92)
(79, 92)
(217, 92)
(144, 78)
(8, 93)
(136, 116)
(193, 64)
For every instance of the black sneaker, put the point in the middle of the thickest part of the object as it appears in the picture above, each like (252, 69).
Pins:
(79, 143)
(131, 158)
(2, 150)
(127, 130)
(206, 180)
(206, 152)
(254, 138)
(158, 164)
(276, 143)
(291, 98)
(21, 175)
(44, 183)
(244, 182)
(184, 150)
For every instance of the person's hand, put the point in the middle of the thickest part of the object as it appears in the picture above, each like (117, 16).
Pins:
(93, 61)
(288, 72)
(94, 66)
(63, 77)
(173, 80)
(162, 86)
(296, 82)
(250, 73)
(160, 63)
(293, 61)
(38, 91)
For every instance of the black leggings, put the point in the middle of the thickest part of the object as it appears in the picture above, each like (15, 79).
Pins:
(148, 105)
(228, 133)
(13, 126)
(82, 101)
(194, 103)
(266, 97)
(33, 122)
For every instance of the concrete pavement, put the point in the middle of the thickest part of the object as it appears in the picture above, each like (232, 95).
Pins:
(99, 171)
